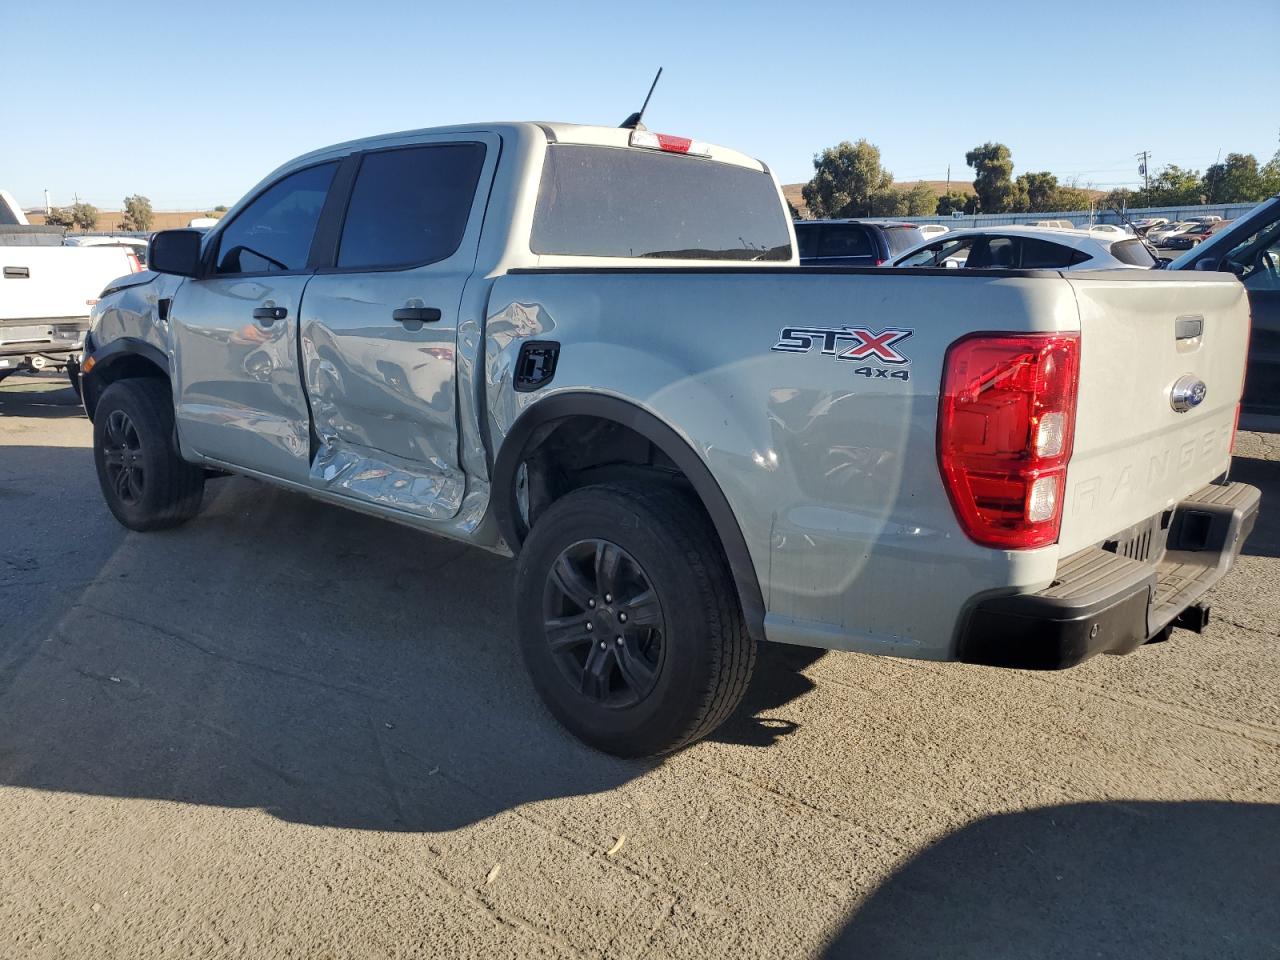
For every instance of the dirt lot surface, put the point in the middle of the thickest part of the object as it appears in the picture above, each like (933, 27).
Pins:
(286, 730)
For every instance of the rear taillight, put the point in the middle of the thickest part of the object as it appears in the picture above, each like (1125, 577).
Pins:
(1235, 428)
(135, 265)
(1006, 423)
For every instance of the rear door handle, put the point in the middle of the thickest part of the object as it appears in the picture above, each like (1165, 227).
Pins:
(270, 314)
(416, 315)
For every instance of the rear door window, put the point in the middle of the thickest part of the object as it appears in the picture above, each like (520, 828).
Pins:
(1046, 255)
(410, 206)
(807, 240)
(274, 232)
(845, 240)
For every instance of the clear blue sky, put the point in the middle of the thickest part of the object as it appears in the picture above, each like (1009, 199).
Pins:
(192, 104)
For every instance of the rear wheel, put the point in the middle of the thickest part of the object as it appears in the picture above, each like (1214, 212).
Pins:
(146, 484)
(629, 621)
(73, 374)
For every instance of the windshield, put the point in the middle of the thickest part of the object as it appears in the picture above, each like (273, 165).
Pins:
(627, 202)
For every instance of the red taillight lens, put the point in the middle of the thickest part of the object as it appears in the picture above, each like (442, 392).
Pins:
(135, 265)
(1006, 423)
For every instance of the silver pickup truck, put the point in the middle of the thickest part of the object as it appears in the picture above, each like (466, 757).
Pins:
(593, 348)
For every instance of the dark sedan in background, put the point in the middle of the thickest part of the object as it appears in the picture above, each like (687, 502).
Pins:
(854, 243)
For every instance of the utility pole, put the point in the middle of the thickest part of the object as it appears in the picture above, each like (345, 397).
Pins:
(1145, 170)
(948, 179)
(47, 209)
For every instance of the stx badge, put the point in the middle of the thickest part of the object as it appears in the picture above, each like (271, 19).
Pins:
(846, 343)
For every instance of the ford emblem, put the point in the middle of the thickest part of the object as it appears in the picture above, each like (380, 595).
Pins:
(1188, 392)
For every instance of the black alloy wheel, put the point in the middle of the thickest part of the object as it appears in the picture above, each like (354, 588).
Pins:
(123, 458)
(604, 623)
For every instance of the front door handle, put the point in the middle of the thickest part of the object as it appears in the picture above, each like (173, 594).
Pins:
(269, 314)
(416, 315)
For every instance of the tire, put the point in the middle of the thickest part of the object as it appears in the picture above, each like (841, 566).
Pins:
(146, 484)
(73, 374)
(671, 672)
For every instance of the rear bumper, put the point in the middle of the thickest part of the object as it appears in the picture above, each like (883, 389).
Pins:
(56, 336)
(1113, 600)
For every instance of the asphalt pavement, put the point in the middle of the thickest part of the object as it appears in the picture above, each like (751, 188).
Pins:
(287, 730)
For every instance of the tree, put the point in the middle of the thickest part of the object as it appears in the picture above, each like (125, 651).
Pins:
(992, 165)
(1269, 176)
(1174, 187)
(887, 202)
(59, 217)
(137, 213)
(1235, 180)
(82, 215)
(1121, 198)
(792, 212)
(1071, 198)
(921, 201)
(1040, 190)
(848, 181)
(951, 202)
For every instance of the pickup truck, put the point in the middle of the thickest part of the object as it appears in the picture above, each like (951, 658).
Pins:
(594, 349)
(46, 292)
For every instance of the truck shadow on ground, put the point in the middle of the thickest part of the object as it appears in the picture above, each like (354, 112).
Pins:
(1133, 880)
(1265, 475)
(44, 396)
(329, 668)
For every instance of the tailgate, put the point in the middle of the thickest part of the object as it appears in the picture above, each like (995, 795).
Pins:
(46, 283)
(1140, 335)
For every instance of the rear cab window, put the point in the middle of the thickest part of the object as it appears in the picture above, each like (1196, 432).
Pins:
(605, 201)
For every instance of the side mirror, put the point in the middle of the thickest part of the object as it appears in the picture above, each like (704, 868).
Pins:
(176, 252)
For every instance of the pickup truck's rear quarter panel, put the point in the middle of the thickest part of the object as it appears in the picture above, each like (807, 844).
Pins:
(832, 475)
(1134, 454)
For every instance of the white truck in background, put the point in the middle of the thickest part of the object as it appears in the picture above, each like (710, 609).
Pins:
(47, 290)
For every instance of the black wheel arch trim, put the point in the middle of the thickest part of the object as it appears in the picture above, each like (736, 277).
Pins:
(107, 356)
(517, 446)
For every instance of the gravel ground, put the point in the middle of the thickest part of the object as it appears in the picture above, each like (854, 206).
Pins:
(286, 730)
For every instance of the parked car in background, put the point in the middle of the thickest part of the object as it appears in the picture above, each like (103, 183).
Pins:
(1145, 225)
(1250, 248)
(1188, 238)
(1208, 218)
(46, 292)
(1109, 230)
(931, 230)
(1156, 234)
(1053, 224)
(135, 245)
(1028, 248)
(853, 243)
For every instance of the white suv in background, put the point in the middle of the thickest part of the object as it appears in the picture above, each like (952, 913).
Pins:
(1029, 248)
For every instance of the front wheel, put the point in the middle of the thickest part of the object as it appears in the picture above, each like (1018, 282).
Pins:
(145, 482)
(629, 621)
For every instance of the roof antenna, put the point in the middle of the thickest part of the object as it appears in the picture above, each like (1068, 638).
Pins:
(633, 122)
